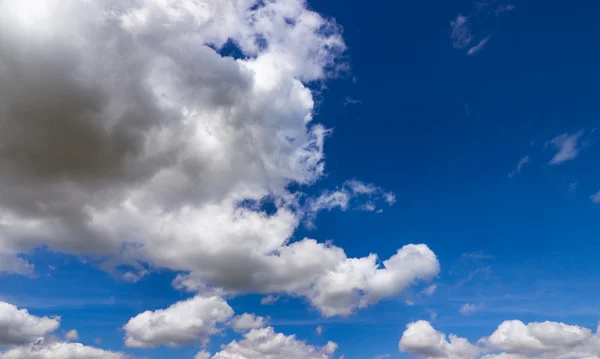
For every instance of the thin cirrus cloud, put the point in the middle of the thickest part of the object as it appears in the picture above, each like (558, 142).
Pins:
(512, 339)
(522, 162)
(567, 147)
(159, 141)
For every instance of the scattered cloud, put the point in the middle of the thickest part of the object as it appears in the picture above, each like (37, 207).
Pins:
(479, 255)
(475, 49)
(595, 197)
(512, 339)
(185, 322)
(479, 271)
(522, 162)
(468, 309)
(567, 147)
(319, 330)
(18, 327)
(269, 299)
(247, 321)
(47, 349)
(461, 34)
(351, 101)
(10, 263)
(430, 290)
(72, 335)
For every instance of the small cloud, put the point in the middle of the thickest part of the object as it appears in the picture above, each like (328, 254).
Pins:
(433, 315)
(469, 309)
(572, 187)
(595, 197)
(409, 302)
(381, 356)
(319, 330)
(475, 49)
(51, 267)
(72, 335)
(522, 162)
(504, 8)
(461, 34)
(475, 255)
(350, 101)
(567, 147)
(270, 299)
(429, 290)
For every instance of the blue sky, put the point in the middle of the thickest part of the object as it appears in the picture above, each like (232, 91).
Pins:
(490, 149)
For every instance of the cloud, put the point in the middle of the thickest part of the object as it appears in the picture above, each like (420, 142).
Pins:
(522, 162)
(421, 340)
(265, 343)
(512, 339)
(269, 299)
(475, 49)
(461, 34)
(468, 309)
(248, 321)
(381, 356)
(595, 197)
(567, 147)
(319, 330)
(72, 335)
(182, 323)
(127, 135)
(60, 350)
(430, 290)
(12, 264)
(18, 327)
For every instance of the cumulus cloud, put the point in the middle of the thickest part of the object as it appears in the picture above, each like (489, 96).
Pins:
(60, 350)
(127, 134)
(512, 339)
(18, 326)
(72, 335)
(182, 323)
(12, 264)
(248, 321)
(266, 343)
(567, 147)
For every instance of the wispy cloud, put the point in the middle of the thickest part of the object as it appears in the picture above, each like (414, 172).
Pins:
(351, 101)
(567, 147)
(475, 49)
(461, 34)
(469, 308)
(522, 162)
(595, 197)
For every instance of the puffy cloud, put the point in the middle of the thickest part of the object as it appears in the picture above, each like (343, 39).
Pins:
(265, 343)
(60, 350)
(422, 340)
(566, 146)
(72, 335)
(17, 326)
(182, 323)
(128, 135)
(248, 321)
(11, 264)
(512, 339)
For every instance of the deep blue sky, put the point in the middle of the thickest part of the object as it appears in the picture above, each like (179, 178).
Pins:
(442, 130)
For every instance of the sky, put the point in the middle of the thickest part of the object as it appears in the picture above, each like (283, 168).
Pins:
(282, 179)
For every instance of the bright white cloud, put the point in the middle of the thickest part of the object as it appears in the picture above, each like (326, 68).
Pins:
(513, 339)
(150, 146)
(18, 326)
(60, 350)
(72, 335)
(567, 147)
(248, 321)
(266, 343)
(422, 340)
(185, 322)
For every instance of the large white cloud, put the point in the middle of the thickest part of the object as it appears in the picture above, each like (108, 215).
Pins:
(182, 323)
(265, 343)
(512, 339)
(60, 350)
(18, 326)
(126, 134)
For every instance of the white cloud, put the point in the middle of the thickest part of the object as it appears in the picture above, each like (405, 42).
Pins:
(182, 323)
(522, 162)
(461, 34)
(265, 343)
(72, 335)
(59, 350)
(152, 147)
(17, 326)
(319, 330)
(422, 340)
(512, 340)
(595, 197)
(567, 147)
(351, 190)
(12, 264)
(248, 321)
(430, 290)
(475, 49)
(269, 299)
(468, 308)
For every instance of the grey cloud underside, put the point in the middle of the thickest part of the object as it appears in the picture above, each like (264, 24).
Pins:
(125, 135)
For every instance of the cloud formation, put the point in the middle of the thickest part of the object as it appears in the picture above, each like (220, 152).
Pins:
(184, 322)
(128, 135)
(60, 350)
(18, 327)
(512, 339)
(567, 147)
(522, 162)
